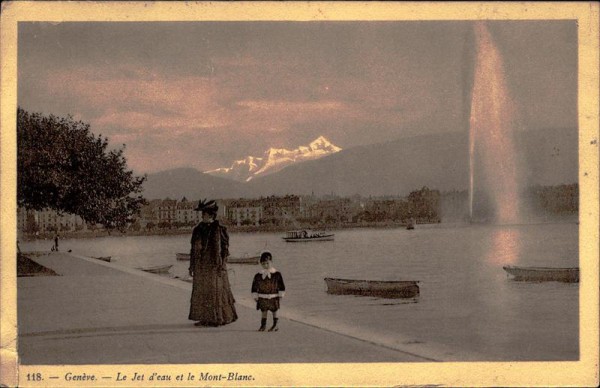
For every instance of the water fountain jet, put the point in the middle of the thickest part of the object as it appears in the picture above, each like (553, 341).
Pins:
(493, 160)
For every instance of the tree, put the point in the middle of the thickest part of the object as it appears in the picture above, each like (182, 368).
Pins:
(424, 204)
(61, 165)
(136, 226)
(164, 225)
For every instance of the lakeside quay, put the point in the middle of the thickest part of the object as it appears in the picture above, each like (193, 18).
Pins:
(103, 313)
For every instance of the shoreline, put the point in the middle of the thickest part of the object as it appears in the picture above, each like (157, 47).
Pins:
(230, 228)
(571, 218)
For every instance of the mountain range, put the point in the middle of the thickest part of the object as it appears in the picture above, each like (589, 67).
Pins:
(275, 159)
(438, 161)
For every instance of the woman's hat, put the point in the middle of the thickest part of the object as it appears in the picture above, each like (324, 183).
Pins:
(207, 206)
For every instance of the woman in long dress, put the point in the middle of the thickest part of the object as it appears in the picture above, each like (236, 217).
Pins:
(212, 302)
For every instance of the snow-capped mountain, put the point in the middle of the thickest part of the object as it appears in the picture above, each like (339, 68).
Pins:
(275, 159)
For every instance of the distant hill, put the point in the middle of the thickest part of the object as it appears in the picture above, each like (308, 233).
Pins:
(551, 156)
(395, 167)
(190, 183)
(438, 161)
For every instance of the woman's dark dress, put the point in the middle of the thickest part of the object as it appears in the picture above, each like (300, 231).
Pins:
(212, 303)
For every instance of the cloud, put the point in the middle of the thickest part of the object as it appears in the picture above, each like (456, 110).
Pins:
(211, 93)
(135, 99)
(291, 106)
(148, 110)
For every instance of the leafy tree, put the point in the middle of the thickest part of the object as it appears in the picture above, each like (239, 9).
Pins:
(424, 204)
(136, 226)
(61, 165)
(164, 225)
(246, 222)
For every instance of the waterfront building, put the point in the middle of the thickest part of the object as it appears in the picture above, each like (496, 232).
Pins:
(334, 210)
(244, 212)
(186, 214)
(282, 210)
(46, 221)
(148, 216)
(166, 212)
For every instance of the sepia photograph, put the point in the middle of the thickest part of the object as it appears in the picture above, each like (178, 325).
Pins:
(299, 194)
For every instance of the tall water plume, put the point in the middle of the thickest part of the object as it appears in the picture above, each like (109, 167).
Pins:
(494, 168)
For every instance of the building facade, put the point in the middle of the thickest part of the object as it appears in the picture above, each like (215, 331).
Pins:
(47, 221)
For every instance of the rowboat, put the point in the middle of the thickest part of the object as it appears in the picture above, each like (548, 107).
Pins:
(543, 274)
(305, 235)
(159, 269)
(230, 260)
(379, 288)
(244, 260)
(104, 258)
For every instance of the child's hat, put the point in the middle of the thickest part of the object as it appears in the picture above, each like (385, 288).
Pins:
(265, 256)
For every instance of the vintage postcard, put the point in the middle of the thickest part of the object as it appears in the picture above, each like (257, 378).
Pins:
(299, 194)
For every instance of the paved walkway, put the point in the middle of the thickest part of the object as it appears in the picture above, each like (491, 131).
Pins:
(103, 313)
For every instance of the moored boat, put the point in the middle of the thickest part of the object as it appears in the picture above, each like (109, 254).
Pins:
(307, 235)
(244, 260)
(379, 288)
(543, 274)
(104, 258)
(159, 269)
(231, 260)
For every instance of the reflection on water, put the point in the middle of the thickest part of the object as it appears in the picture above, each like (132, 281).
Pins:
(505, 246)
(467, 303)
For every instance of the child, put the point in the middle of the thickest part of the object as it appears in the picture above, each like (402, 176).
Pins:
(267, 289)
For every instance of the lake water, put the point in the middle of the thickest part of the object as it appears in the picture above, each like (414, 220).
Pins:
(468, 308)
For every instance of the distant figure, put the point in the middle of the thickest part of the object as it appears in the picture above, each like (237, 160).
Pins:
(212, 302)
(410, 224)
(55, 248)
(267, 290)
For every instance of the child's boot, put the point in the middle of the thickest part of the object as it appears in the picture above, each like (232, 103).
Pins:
(274, 327)
(263, 324)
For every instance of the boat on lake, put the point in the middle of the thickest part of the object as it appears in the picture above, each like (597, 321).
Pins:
(231, 260)
(158, 269)
(543, 274)
(305, 235)
(246, 259)
(391, 289)
(104, 258)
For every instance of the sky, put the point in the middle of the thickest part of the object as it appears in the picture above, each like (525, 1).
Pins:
(203, 94)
